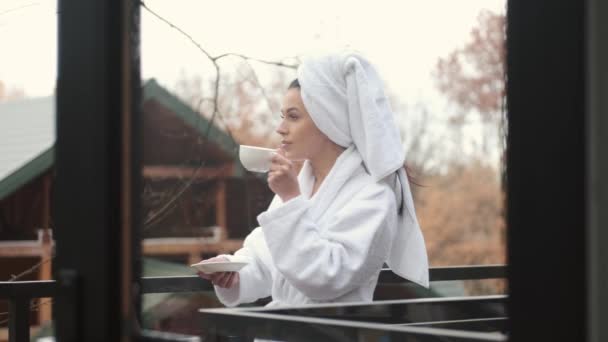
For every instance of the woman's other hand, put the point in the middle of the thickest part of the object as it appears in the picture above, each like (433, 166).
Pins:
(283, 177)
(221, 279)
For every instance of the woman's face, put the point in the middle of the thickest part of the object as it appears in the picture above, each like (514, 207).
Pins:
(300, 137)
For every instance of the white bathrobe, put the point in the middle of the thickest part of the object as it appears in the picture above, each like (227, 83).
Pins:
(326, 248)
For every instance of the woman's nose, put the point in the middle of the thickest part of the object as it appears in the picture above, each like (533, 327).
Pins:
(281, 129)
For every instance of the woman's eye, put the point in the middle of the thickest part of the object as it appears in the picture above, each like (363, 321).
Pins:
(290, 116)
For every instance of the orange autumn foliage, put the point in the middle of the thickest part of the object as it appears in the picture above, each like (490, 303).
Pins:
(461, 214)
(462, 217)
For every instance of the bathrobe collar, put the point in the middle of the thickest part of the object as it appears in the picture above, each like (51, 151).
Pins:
(407, 257)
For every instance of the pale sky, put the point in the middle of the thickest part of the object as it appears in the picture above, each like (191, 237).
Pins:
(403, 38)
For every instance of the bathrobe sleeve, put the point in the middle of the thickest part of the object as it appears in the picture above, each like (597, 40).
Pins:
(327, 262)
(255, 279)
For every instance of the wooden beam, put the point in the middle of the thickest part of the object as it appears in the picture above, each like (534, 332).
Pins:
(188, 246)
(177, 172)
(30, 248)
(46, 201)
(152, 246)
(45, 238)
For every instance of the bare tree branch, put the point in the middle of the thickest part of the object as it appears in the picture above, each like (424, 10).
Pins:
(31, 269)
(19, 8)
(177, 29)
(162, 212)
(280, 64)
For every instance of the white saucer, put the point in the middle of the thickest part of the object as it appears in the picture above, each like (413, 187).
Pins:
(219, 266)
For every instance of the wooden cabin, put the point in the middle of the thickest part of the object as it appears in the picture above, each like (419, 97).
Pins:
(197, 199)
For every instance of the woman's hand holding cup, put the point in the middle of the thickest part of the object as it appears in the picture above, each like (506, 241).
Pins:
(283, 177)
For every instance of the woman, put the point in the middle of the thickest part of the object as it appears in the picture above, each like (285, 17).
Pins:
(330, 228)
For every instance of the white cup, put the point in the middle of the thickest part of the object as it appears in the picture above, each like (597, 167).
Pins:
(256, 159)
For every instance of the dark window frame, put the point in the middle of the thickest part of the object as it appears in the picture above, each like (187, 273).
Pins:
(556, 185)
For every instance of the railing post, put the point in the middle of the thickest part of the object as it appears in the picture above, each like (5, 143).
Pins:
(19, 319)
(70, 308)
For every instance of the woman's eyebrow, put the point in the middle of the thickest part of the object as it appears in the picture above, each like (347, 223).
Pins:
(288, 109)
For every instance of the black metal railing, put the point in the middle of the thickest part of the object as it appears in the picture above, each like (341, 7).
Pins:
(446, 319)
(20, 293)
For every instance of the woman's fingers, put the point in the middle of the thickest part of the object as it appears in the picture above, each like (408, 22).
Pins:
(279, 168)
(226, 279)
(222, 279)
(204, 275)
(280, 160)
(234, 280)
(210, 276)
(216, 277)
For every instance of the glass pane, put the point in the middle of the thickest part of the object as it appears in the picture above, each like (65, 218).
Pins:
(28, 35)
(215, 77)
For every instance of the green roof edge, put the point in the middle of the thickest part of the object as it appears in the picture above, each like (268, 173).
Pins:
(152, 90)
(27, 172)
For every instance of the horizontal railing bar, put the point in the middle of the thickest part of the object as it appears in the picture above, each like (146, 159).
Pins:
(494, 324)
(164, 336)
(468, 273)
(192, 283)
(433, 300)
(233, 320)
(472, 320)
(175, 284)
(446, 273)
(28, 289)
